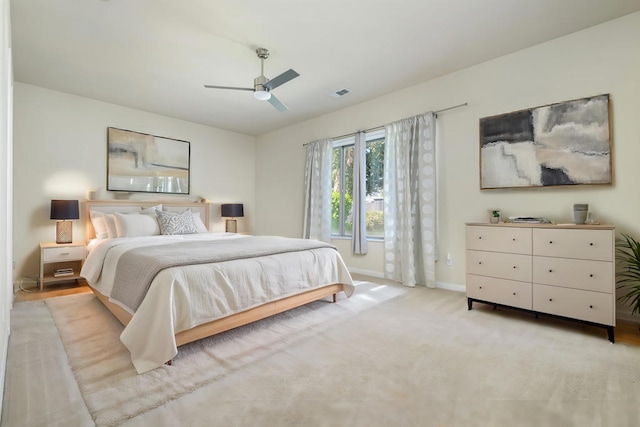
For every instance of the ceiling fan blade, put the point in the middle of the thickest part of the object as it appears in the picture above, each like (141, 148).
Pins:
(229, 87)
(277, 104)
(281, 79)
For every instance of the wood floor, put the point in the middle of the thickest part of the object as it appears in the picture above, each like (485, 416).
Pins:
(51, 291)
(625, 332)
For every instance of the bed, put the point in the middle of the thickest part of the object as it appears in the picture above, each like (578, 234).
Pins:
(169, 289)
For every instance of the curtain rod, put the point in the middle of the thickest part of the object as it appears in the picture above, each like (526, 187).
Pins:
(382, 127)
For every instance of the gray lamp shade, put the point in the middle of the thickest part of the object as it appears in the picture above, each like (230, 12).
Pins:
(64, 209)
(232, 210)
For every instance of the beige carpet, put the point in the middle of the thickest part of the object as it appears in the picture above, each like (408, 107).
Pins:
(390, 356)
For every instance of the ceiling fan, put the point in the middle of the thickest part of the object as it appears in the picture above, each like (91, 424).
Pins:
(262, 86)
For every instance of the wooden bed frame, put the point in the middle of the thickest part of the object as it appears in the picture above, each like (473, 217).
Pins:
(216, 326)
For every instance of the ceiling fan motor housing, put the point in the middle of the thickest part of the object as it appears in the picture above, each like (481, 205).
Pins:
(259, 82)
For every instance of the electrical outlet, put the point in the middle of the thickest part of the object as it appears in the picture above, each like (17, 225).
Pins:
(449, 259)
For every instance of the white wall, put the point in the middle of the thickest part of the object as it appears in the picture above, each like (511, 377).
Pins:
(6, 143)
(60, 151)
(602, 59)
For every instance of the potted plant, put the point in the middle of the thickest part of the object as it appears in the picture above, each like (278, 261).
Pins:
(628, 250)
(495, 216)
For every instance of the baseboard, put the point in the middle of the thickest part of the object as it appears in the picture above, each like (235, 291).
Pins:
(367, 272)
(451, 286)
(440, 285)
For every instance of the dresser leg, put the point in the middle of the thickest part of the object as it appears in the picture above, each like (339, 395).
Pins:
(610, 333)
(469, 303)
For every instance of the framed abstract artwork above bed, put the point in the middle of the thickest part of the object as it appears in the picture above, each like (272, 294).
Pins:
(560, 144)
(139, 162)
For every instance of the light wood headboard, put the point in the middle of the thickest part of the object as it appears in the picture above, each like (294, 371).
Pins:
(111, 206)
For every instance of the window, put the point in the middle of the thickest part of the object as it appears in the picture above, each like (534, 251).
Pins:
(342, 185)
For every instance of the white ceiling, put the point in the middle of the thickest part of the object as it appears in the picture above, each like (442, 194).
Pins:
(156, 55)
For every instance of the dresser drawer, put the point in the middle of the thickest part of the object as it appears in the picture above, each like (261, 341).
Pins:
(63, 254)
(507, 292)
(579, 244)
(499, 239)
(578, 304)
(500, 265)
(574, 273)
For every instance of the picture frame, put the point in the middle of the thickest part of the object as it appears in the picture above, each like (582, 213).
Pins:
(140, 162)
(560, 144)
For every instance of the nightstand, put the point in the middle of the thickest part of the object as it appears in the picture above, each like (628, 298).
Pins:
(58, 256)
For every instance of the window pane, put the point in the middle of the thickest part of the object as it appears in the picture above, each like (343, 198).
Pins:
(335, 190)
(375, 185)
(348, 190)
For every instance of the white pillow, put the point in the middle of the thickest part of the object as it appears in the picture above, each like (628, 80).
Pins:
(172, 223)
(99, 226)
(135, 225)
(110, 222)
(104, 225)
(200, 227)
(152, 210)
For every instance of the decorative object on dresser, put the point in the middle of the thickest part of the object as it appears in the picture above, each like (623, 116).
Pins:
(628, 250)
(559, 270)
(64, 210)
(566, 143)
(60, 262)
(580, 213)
(494, 216)
(233, 211)
(139, 162)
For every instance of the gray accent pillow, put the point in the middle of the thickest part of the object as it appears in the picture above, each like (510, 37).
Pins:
(172, 223)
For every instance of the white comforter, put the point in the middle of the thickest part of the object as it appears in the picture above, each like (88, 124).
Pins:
(180, 298)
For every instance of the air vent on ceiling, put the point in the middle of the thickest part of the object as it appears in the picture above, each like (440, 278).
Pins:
(339, 93)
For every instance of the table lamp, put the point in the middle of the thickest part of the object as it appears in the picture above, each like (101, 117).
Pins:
(233, 211)
(64, 210)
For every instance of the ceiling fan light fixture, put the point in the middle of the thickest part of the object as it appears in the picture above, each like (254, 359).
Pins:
(262, 95)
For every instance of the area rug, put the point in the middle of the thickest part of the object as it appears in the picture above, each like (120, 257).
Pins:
(114, 392)
(389, 356)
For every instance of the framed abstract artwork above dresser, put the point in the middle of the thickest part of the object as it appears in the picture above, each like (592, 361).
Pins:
(567, 143)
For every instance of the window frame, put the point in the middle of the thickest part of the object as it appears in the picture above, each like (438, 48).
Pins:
(343, 144)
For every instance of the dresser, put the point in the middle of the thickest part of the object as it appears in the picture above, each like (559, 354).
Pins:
(559, 270)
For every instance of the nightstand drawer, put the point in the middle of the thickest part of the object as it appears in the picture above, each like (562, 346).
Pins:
(63, 254)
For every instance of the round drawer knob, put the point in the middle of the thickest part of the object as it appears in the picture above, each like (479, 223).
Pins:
(550, 271)
(550, 299)
(590, 244)
(479, 287)
(550, 242)
(591, 275)
(479, 262)
(480, 238)
(590, 306)
(514, 266)
(514, 293)
(514, 239)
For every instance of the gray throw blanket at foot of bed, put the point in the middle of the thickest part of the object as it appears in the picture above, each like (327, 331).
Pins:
(137, 267)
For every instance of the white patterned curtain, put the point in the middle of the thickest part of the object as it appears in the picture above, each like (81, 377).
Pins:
(359, 208)
(317, 184)
(410, 201)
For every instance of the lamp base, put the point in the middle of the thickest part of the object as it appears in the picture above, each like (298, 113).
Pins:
(64, 232)
(231, 226)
